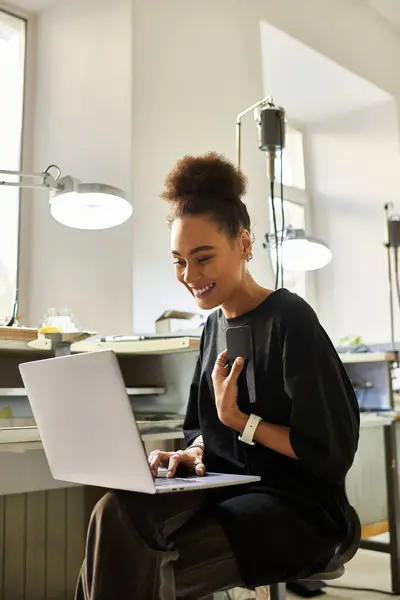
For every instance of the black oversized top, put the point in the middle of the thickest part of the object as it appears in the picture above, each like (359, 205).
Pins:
(300, 383)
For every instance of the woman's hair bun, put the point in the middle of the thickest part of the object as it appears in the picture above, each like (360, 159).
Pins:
(208, 176)
(208, 185)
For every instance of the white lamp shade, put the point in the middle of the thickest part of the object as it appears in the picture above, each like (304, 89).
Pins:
(305, 254)
(90, 206)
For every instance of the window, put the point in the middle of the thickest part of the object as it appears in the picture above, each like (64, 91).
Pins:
(12, 71)
(294, 201)
(292, 160)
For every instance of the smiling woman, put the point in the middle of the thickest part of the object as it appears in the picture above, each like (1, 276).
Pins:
(210, 232)
(285, 411)
(12, 68)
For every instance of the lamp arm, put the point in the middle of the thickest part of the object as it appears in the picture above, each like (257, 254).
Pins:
(239, 118)
(37, 186)
(48, 181)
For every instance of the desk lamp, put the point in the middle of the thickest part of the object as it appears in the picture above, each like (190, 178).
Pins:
(75, 204)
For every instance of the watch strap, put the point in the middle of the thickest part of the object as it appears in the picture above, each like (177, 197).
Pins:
(250, 429)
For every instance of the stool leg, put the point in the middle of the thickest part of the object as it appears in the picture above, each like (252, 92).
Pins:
(263, 593)
(278, 591)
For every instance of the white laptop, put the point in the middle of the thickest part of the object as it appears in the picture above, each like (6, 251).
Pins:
(88, 429)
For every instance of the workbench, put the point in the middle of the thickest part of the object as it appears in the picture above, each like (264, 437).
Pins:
(43, 522)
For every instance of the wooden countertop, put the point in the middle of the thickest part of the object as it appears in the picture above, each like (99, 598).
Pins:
(17, 338)
(152, 346)
(23, 339)
(26, 339)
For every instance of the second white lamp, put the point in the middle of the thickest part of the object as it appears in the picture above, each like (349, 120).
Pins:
(301, 252)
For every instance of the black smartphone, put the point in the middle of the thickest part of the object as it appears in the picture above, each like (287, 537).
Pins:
(239, 342)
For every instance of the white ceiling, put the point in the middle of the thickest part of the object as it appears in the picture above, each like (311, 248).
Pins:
(388, 9)
(32, 6)
(310, 86)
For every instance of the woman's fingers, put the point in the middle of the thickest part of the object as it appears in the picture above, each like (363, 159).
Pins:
(174, 460)
(222, 358)
(220, 370)
(153, 462)
(199, 467)
(156, 458)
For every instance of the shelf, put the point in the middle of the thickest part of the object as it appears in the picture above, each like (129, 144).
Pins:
(367, 357)
(377, 419)
(19, 435)
(27, 437)
(146, 391)
(152, 346)
(7, 345)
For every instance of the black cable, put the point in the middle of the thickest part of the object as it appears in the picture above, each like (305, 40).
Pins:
(282, 205)
(271, 183)
(363, 398)
(359, 589)
(396, 272)
(283, 223)
(361, 393)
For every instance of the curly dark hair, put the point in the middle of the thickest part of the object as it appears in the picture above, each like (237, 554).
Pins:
(208, 185)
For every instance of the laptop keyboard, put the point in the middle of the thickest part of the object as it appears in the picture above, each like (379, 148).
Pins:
(173, 481)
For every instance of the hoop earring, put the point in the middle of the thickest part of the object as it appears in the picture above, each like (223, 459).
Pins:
(249, 257)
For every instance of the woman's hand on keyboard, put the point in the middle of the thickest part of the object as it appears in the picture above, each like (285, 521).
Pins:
(191, 459)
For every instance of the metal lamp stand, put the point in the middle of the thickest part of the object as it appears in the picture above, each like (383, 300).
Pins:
(392, 230)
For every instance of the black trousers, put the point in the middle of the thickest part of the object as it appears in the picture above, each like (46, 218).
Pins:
(161, 547)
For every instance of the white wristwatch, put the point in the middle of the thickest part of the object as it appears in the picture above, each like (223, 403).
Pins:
(250, 429)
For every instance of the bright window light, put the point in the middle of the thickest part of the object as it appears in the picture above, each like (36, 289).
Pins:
(12, 69)
(292, 160)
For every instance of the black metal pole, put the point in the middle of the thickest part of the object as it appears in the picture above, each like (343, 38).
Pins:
(277, 591)
(393, 502)
(389, 267)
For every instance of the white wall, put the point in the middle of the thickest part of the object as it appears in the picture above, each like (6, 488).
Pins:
(83, 124)
(182, 94)
(347, 31)
(123, 90)
(202, 67)
(354, 162)
(203, 80)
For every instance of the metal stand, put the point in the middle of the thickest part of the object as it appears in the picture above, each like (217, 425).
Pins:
(58, 346)
(390, 278)
(277, 591)
(390, 434)
(393, 502)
